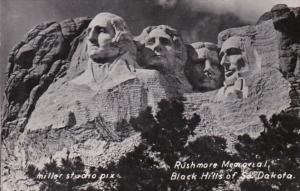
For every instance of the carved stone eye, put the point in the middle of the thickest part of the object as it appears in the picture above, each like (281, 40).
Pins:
(221, 54)
(99, 29)
(89, 30)
(150, 41)
(233, 51)
(165, 41)
(200, 61)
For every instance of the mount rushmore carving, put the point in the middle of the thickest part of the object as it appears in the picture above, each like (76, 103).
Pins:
(102, 57)
(71, 84)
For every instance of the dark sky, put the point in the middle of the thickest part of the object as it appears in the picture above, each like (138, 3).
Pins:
(198, 20)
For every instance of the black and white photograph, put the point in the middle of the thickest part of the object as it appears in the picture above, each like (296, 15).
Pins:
(150, 95)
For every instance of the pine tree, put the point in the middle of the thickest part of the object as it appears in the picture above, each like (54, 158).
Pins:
(279, 144)
(165, 140)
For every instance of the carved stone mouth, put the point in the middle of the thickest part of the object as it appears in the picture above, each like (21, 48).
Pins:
(159, 56)
(206, 80)
(94, 46)
(229, 72)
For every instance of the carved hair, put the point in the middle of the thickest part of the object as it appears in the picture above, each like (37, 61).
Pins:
(208, 45)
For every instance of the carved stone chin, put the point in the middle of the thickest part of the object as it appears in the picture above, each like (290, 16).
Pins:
(236, 90)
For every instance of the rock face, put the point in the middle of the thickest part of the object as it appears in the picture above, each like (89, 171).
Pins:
(273, 87)
(287, 23)
(47, 115)
(33, 65)
(268, 90)
(84, 106)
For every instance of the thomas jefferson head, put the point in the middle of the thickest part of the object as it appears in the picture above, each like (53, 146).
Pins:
(163, 48)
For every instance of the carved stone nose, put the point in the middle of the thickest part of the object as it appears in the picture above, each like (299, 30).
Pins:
(207, 66)
(92, 37)
(225, 62)
(93, 40)
(157, 47)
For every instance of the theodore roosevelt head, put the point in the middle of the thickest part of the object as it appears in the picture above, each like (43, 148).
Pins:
(204, 71)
